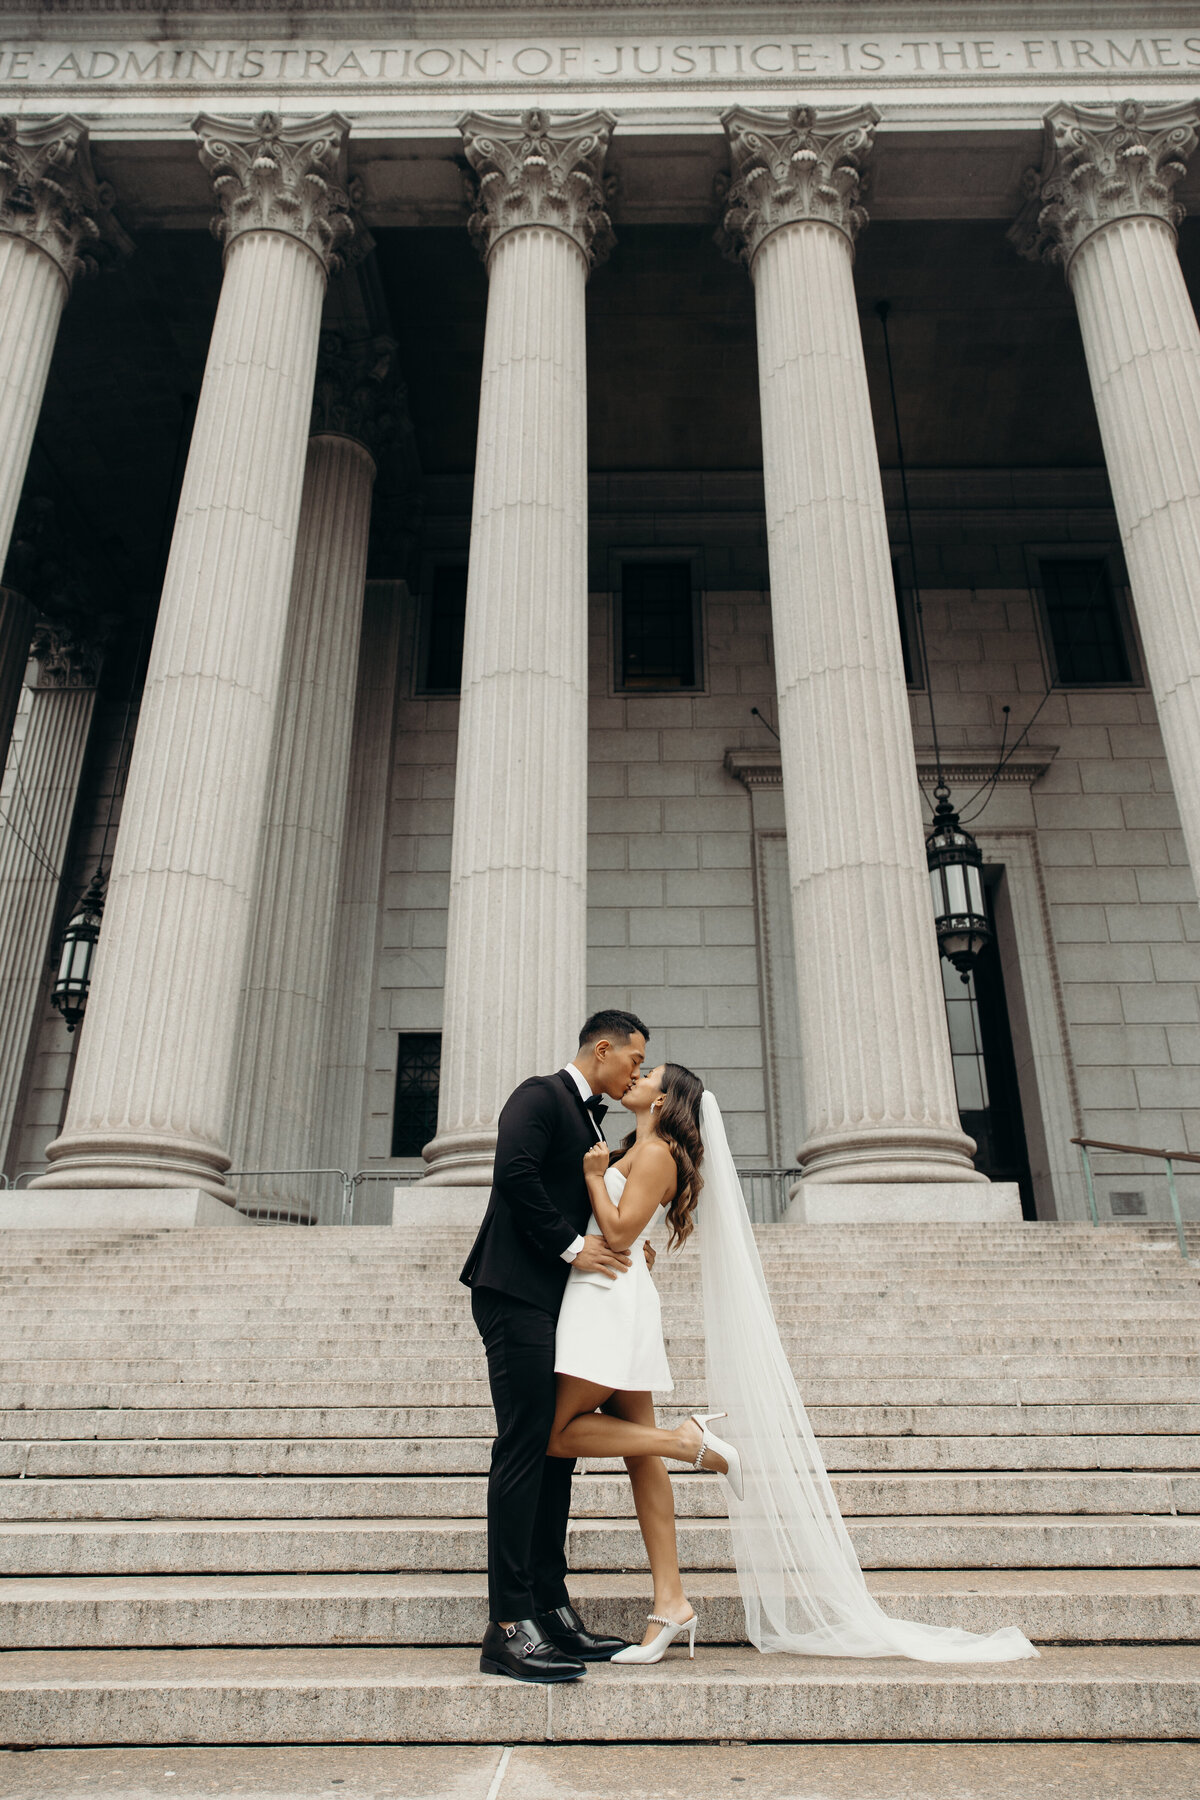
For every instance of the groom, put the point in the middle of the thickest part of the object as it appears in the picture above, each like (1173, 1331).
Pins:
(533, 1230)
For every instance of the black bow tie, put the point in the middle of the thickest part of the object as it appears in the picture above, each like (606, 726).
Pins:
(596, 1107)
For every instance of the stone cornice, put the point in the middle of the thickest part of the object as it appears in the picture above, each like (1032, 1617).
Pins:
(762, 767)
(540, 171)
(1100, 164)
(49, 194)
(290, 178)
(793, 166)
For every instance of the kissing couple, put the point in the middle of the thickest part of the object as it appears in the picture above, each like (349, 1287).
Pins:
(564, 1300)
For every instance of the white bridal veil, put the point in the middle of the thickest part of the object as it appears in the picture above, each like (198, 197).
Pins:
(801, 1583)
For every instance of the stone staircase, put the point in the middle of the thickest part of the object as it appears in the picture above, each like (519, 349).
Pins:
(242, 1485)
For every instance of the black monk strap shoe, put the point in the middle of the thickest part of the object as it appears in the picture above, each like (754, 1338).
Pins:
(565, 1628)
(523, 1651)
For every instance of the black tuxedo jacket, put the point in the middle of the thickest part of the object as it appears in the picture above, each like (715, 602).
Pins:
(539, 1201)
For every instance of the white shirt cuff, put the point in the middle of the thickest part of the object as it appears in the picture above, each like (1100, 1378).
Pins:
(572, 1250)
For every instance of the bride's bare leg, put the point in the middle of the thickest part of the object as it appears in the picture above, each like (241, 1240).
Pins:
(579, 1430)
(654, 1501)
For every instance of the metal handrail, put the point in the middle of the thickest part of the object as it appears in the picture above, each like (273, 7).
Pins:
(1169, 1157)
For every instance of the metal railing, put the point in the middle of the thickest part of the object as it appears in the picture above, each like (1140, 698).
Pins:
(333, 1202)
(767, 1193)
(1168, 1157)
(297, 1209)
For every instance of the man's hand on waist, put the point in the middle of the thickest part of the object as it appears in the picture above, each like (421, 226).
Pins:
(597, 1259)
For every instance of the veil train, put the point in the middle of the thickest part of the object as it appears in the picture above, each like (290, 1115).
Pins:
(801, 1583)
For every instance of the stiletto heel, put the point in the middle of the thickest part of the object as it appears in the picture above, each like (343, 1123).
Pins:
(710, 1441)
(654, 1651)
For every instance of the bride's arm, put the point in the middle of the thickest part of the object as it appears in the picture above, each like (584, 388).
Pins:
(650, 1185)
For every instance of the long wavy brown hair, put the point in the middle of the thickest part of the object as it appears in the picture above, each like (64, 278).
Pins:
(677, 1123)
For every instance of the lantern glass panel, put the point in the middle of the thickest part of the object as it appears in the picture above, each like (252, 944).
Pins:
(956, 888)
(975, 889)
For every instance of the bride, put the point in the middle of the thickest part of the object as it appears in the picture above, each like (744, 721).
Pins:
(800, 1580)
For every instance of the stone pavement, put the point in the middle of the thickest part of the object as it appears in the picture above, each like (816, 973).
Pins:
(242, 1483)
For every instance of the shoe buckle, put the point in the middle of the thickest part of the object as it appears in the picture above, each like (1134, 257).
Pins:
(510, 1631)
(529, 1646)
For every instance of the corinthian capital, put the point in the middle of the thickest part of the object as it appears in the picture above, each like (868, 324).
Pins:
(787, 167)
(49, 194)
(1099, 164)
(68, 658)
(535, 172)
(357, 392)
(275, 177)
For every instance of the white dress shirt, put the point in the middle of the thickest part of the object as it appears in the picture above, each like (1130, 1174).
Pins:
(585, 1094)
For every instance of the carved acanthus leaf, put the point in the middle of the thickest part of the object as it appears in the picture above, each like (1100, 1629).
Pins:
(66, 658)
(358, 392)
(1099, 164)
(275, 177)
(49, 195)
(536, 171)
(793, 166)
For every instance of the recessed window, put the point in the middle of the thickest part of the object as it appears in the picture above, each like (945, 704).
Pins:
(657, 640)
(1083, 620)
(418, 1071)
(445, 614)
(907, 621)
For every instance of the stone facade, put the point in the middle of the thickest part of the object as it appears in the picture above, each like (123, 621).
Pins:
(307, 869)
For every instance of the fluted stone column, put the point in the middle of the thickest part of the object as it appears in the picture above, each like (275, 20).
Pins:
(342, 1088)
(150, 1103)
(1102, 206)
(276, 1099)
(515, 962)
(16, 630)
(878, 1082)
(55, 223)
(42, 787)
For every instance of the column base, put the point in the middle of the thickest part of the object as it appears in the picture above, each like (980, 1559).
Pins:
(114, 1209)
(904, 1203)
(426, 1204)
(460, 1159)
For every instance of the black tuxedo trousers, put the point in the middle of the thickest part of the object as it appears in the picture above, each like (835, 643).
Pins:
(538, 1206)
(529, 1493)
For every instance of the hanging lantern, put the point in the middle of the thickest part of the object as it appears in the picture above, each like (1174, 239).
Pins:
(956, 878)
(70, 991)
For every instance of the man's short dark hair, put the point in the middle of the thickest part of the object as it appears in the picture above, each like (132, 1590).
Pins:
(610, 1022)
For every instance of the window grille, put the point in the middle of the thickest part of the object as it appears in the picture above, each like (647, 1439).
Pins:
(445, 620)
(1084, 623)
(418, 1068)
(657, 649)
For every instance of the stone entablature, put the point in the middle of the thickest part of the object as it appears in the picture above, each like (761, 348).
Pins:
(965, 60)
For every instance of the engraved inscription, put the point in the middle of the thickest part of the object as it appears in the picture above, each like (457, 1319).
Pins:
(513, 62)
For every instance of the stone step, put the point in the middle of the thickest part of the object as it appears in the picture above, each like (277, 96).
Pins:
(386, 1695)
(383, 1343)
(1117, 1370)
(847, 1771)
(470, 1455)
(93, 1612)
(1169, 1421)
(594, 1496)
(879, 1389)
(309, 1546)
(871, 1325)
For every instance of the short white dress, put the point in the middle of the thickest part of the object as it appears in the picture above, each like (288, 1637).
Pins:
(610, 1332)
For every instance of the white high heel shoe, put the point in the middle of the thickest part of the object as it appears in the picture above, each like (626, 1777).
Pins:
(710, 1441)
(654, 1651)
